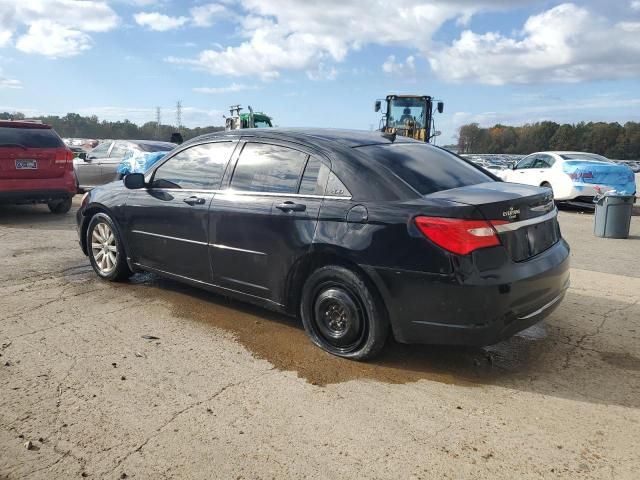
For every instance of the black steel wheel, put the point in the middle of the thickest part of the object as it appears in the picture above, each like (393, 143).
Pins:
(342, 314)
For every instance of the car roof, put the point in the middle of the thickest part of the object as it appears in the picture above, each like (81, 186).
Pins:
(23, 124)
(320, 137)
(567, 152)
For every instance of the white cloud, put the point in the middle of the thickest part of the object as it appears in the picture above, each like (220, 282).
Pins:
(55, 28)
(292, 35)
(206, 15)
(158, 21)
(635, 5)
(6, 82)
(322, 72)
(564, 44)
(53, 40)
(234, 87)
(407, 68)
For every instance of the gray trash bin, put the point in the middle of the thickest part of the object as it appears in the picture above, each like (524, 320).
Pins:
(613, 216)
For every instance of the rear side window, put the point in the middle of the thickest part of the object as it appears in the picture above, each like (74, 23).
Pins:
(425, 168)
(198, 167)
(314, 179)
(268, 168)
(29, 137)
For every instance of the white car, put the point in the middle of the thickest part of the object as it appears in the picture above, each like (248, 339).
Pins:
(572, 175)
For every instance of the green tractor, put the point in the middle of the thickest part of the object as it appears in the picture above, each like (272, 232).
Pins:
(409, 116)
(237, 120)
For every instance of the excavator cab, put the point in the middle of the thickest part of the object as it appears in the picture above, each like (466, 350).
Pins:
(409, 116)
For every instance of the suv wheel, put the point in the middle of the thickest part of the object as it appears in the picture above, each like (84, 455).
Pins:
(60, 206)
(342, 315)
(106, 251)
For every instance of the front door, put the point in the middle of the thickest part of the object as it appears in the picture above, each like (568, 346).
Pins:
(262, 223)
(168, 222)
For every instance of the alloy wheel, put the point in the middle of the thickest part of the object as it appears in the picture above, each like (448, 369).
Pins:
(104, 248)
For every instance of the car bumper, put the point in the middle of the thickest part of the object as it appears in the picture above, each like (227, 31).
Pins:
(37, 190)
(482, 309)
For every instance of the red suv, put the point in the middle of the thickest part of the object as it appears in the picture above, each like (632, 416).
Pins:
(35, 166)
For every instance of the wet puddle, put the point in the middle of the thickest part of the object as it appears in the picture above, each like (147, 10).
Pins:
(281, 340)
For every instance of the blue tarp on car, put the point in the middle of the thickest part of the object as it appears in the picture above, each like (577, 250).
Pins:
(138, 162)
(616, 176)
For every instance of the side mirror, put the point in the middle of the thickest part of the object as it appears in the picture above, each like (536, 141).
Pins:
(134, 181)
(378, 105)
(440, 107)
(437, 133)
(82, 155)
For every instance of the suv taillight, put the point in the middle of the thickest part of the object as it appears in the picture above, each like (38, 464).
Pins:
(458, 235)
(64, 156)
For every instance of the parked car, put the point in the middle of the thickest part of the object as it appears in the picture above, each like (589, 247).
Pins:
(35, 166)
(100, 164)
(572, 175)
(356, 233)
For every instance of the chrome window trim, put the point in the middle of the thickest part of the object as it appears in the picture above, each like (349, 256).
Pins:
(245, 192)
(510, 227)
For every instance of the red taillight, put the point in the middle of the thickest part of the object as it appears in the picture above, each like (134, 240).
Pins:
(64, 156)
(458, 235)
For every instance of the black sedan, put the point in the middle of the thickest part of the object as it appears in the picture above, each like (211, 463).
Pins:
(360, 234)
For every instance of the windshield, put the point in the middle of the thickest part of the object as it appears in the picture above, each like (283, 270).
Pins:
(584, 156)
(262, 124)
(425, 168)
(404, 110)
(29, 137)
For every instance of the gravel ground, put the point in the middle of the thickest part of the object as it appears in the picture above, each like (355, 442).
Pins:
(231, 391)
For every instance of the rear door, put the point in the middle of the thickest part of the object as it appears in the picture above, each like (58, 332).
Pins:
(109, 164)
(168, 222)
(28, 153)
(265, 220)
(88, 170)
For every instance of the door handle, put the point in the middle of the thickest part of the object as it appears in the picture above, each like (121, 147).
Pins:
(194, 200)
(291, 207)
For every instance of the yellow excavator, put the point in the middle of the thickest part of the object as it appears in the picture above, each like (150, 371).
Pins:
(409, 116)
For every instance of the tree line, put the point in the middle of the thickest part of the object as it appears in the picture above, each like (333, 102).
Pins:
(73, 125)
(609, 139)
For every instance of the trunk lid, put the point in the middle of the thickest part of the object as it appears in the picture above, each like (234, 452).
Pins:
(31, 152)
(530, 218)
(31, 163)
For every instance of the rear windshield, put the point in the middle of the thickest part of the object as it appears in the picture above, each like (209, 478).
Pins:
(584, 156)
(154, 147)
(29, 137)
(425, 168)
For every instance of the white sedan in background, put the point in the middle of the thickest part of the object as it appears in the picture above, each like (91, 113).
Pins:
(572, 175)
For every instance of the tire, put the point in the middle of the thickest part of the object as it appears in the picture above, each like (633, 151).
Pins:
(342, 314)
(60, 206)
(106, 250)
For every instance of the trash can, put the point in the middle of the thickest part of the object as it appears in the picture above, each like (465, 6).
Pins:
(613, 215)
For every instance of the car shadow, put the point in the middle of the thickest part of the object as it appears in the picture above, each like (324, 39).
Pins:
(566, 356)
(36, 217)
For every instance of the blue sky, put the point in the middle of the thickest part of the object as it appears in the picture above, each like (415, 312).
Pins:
(322, 63)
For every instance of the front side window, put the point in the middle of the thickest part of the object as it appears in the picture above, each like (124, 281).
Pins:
(526, 162)
(268, 168)
(119, 150)
(197, 167)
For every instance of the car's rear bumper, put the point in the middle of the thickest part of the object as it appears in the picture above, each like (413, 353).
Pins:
(38, 190)
(481, 309)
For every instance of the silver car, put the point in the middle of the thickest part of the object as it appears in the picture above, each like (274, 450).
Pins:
(99, 165)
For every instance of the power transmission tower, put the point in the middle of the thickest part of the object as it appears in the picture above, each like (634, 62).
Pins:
(179, 115)
(158, 121)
